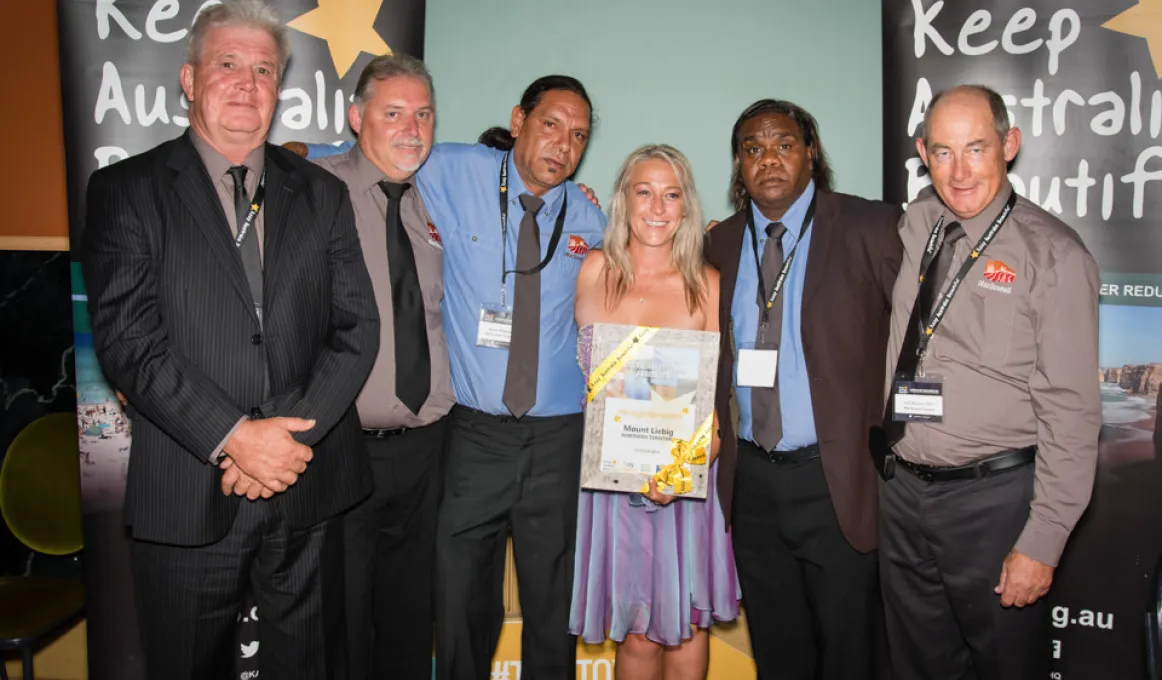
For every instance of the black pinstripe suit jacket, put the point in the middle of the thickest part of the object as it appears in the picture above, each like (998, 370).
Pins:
(175, 330)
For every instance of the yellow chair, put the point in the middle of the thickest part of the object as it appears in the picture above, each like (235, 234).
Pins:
(40, 500)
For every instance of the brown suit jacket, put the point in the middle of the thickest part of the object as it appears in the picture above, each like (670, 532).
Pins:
(854, 257)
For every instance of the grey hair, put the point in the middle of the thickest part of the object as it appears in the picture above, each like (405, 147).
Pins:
(996, 106)
(390, 66)
(252, 13)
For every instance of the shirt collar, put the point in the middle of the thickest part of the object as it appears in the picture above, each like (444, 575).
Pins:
(975, 228)
(367, 173)
(516, 187)
(217, 165)
(792, 219)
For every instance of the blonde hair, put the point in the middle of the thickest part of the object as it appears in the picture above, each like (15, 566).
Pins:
(686, 254)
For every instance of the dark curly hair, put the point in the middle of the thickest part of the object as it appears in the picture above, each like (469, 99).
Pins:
(821, 172)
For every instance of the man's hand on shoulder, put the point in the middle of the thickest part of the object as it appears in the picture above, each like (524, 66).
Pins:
(1024, 580)
(590, 194)
(711, 225)
(297, 148)
(266, 451)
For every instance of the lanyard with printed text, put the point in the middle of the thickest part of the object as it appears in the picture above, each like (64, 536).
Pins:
(765, 304)
(255, 206)
(553, 241)
(928, 326)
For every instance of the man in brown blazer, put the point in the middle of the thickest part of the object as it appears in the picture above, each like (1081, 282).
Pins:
(807, 278)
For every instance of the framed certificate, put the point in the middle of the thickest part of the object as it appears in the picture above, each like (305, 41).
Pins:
(650, 409)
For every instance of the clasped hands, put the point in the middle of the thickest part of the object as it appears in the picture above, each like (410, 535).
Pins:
(262, 457)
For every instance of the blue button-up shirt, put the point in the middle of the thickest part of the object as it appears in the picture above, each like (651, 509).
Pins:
(793, 384)
(460, 186)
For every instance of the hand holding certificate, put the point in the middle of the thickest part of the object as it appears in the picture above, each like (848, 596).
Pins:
(650, 411)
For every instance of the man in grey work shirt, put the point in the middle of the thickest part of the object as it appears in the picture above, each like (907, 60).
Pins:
(984, 496)
(390, 537)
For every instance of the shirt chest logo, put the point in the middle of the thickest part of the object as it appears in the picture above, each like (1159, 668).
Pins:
(434, 237)
(577, 247)
(996, 275)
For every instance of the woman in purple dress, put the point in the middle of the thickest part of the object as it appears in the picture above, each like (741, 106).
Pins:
(653, 571)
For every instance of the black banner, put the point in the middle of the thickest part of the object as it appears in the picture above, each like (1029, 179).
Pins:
(1081, 81)
(121, 96)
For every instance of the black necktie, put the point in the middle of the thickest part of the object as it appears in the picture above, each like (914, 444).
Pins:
(520, 383)
(930, 289)
(766, 412)
(413, 367)
(248, 248)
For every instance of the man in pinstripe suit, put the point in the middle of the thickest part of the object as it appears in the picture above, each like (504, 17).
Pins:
(231, 306)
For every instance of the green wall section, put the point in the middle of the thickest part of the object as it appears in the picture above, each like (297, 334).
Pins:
(674, 72)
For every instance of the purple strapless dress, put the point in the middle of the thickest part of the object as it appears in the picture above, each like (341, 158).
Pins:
(649, 569)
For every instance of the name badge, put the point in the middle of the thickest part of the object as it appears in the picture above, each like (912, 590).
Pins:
(918, 401)
(495, 329)
(757, 366)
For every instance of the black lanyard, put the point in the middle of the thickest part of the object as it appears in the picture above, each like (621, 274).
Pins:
(553, 241)
(765, 304)
(928, 327)
(255, 206)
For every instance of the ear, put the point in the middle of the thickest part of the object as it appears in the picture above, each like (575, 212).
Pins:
(517, 122)
(922, 150)
(186, 76)
(1012, 144)
(355, 118)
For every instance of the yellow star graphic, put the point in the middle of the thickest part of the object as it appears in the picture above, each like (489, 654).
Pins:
(1145, 21)
(254, 207)
(617, 419)
(348, 26)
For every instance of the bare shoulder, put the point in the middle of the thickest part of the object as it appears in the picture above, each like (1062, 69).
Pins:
(592, 265)
(712, 277)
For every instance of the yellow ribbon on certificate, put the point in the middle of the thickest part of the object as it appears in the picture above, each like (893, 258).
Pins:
(610, 365)
(685, 452)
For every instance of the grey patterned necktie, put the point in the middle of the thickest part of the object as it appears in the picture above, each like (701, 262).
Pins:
(520, 384)
(766, 414)
(248, 248)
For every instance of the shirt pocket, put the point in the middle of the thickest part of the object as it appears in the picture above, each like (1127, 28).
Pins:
(997, 316)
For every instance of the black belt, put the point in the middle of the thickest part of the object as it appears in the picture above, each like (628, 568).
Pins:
(784, 457)
(985, 467)
(385, 432)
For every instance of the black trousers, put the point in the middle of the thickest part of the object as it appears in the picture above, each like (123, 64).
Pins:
(390, 546)
(507, 476)
(189, 600)
(942, 545)
(810, 598)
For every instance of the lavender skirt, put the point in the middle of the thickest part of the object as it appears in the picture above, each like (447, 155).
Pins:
(649, 569)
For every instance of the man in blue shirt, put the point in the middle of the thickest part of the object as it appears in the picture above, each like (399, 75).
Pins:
(514, 451)
(807, 277)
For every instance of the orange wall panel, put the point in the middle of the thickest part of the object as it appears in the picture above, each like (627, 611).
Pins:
(33, 205)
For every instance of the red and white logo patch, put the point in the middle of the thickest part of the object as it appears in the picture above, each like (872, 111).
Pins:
(577, 246)
(999, 272)
(434, 236)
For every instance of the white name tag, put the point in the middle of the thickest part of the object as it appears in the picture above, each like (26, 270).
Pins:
(757, 367)
(495, 329)
(918, 400)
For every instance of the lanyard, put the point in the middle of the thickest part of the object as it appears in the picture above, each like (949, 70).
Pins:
(553, 241)
(766, 305)
(928, 326)
(255, 206)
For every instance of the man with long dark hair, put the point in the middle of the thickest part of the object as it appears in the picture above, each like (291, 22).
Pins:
(808, 274)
